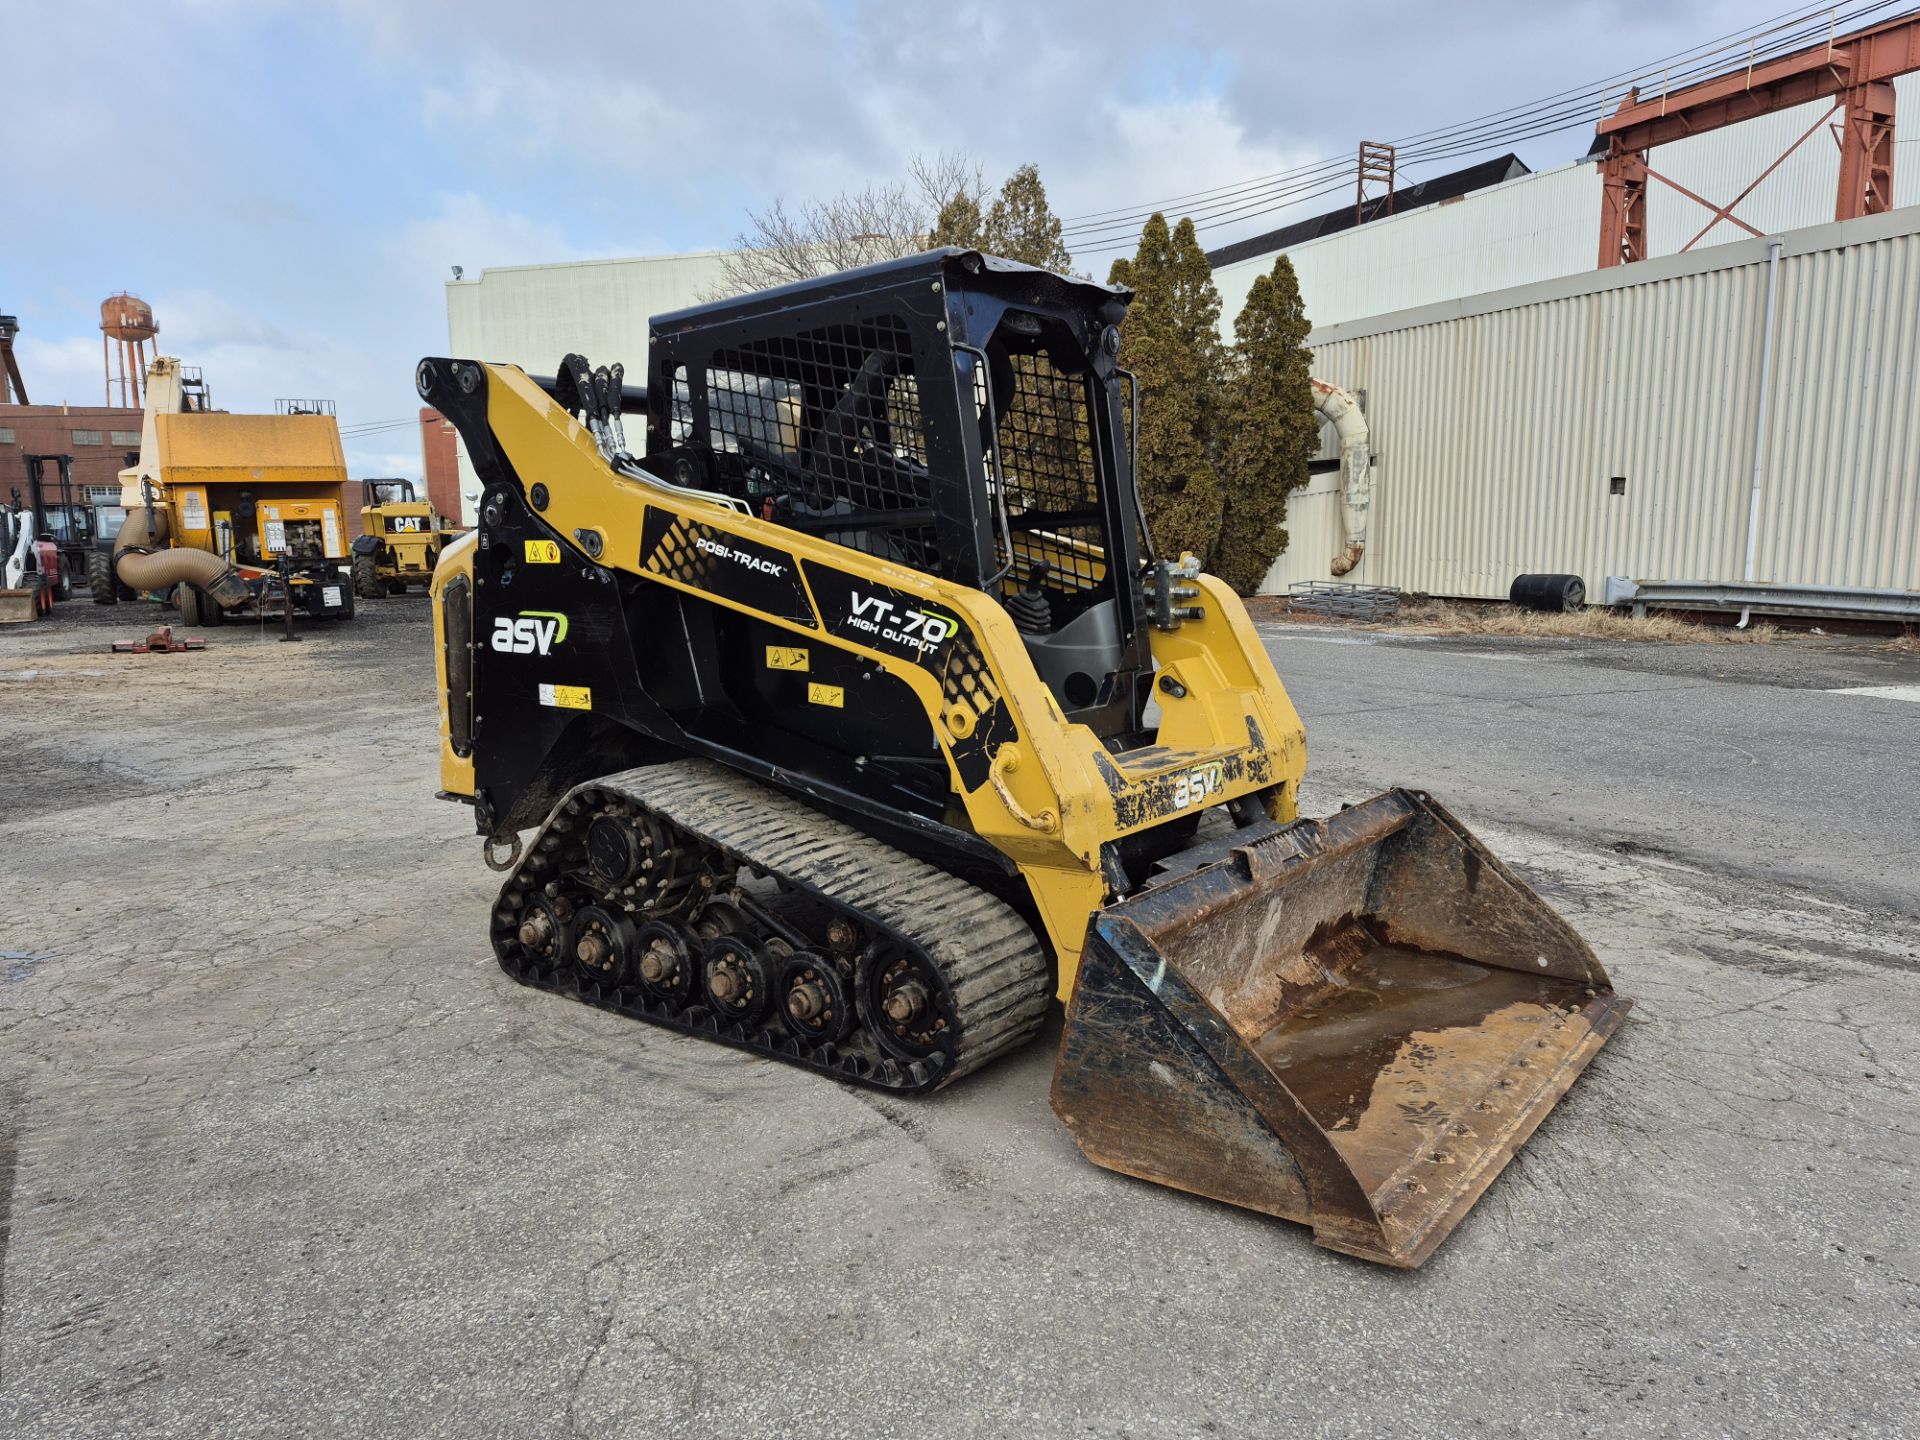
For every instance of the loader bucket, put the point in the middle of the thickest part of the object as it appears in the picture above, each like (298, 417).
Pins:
(1352, 1023)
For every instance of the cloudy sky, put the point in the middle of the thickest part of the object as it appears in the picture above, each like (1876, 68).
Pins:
(288, 183)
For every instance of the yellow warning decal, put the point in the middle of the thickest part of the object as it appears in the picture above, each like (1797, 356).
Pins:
(787, 657)
(566, 697)
(833, 695)
(544, 552)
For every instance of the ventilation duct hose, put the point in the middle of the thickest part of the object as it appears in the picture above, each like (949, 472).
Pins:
(143, 560)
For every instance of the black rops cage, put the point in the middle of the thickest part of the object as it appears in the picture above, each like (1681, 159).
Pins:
(951, 412)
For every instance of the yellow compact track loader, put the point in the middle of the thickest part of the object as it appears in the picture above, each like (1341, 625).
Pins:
(400, 540)
(849, 718)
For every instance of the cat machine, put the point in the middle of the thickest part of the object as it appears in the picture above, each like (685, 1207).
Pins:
(399, 542)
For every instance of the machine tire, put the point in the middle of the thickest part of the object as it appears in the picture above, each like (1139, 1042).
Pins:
(64, 590)
(366, 578)
(1563, 594)
(100, 579)
(189, 602)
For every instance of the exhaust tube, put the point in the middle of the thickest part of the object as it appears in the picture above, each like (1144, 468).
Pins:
(144, 560)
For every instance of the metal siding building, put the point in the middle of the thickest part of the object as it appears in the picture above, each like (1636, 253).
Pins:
(533, 315)
(1523, 230)
(1542, 226)
(1500, 423)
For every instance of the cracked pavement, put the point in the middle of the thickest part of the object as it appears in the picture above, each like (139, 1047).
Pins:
(283, 1153)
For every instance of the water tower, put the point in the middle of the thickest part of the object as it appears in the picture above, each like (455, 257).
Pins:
(126, 325)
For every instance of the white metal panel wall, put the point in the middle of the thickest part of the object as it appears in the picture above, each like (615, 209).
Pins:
(533, 315)
(1841, 505)
(1499, 422)
(1533, 228)
(1316, 533)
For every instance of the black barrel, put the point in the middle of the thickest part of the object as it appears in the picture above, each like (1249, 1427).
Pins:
(1548, 592)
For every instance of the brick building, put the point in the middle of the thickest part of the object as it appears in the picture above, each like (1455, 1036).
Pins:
(440, 462)
(100, 438)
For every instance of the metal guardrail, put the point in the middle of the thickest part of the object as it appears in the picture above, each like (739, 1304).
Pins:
(1349, 602)
(1850, 601)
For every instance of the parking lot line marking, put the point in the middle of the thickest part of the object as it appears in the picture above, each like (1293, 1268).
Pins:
(1325, 639)
(1881, 692)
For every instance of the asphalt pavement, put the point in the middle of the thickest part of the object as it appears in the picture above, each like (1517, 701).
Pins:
(282, 1152)
(1796, 761)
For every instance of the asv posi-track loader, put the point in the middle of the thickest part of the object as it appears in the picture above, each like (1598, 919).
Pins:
(846, 715)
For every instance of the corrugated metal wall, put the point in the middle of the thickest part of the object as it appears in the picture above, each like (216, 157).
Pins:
(1842, 502)
(1500, 423)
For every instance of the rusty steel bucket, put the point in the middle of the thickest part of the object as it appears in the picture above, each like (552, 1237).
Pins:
(1353, 1023)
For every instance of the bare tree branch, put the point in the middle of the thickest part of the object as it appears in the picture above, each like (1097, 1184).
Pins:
(879, 222)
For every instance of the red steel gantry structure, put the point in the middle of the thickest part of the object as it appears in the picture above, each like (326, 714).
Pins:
(1855, 70)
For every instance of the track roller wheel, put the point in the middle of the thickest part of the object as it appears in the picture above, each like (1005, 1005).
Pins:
(603, 946)
(739, 980)
(721, 917)
(904, 1003)
(814, 998)
(668, 963)
(546, 929)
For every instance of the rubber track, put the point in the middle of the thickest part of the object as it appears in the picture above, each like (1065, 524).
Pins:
(999, 975)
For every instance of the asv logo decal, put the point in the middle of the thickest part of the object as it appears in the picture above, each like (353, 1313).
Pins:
(530, 632)
(1198, 785)
(917, 629)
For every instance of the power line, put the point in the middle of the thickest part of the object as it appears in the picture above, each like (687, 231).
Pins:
(1576, 100)
(1284, 190)
(370, 427)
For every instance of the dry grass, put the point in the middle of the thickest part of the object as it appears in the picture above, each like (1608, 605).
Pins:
(1443, 617)
(1907, 642)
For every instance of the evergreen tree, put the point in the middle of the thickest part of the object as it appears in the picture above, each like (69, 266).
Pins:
(1272, 430)
(1021, 226)
(1171, 341)
(958, 223)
